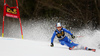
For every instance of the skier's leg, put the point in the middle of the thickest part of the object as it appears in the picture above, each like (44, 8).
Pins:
(69, 42)
(62, 42)
(66, 39)
(83, 48)
(79, 47)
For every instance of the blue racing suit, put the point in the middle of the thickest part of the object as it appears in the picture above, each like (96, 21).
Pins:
(64, 40)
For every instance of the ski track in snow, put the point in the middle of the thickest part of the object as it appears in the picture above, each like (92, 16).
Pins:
(22, 47)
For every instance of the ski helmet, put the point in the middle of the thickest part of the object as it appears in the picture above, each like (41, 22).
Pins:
(58, 25)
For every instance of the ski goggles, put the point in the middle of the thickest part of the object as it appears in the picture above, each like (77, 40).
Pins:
(59, 27)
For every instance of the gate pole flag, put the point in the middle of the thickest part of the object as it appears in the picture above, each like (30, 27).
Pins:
(11, 12)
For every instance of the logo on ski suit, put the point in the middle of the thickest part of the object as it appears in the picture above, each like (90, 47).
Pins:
(60, 35)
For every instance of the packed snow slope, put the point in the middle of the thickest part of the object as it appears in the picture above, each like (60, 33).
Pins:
(21, 47)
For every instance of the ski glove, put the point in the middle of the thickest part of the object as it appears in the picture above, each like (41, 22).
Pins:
(52, 45)
(73, 36)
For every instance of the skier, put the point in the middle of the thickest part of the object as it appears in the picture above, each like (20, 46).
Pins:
(64, 40)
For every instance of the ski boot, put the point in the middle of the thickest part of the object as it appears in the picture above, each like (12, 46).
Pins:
(70, 48)
(90, 49)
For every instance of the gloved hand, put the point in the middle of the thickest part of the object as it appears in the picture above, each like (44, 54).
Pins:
(73, 36)
(52, 45)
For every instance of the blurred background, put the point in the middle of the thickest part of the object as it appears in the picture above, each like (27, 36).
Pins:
(73, 13)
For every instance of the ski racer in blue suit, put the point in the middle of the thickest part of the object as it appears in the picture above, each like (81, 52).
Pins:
(64, 40)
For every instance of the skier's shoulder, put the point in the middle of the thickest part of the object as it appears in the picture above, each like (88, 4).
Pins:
(64, 29)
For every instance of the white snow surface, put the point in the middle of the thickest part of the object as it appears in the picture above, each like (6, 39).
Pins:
(22, 47)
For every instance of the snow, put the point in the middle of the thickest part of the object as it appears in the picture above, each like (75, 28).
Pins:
(43, 30)
(38, 35)
(22, 47)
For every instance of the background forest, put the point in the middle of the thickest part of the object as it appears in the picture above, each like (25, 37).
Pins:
(73, 13)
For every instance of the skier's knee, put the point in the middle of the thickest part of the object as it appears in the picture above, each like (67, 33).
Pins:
(62, 43)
